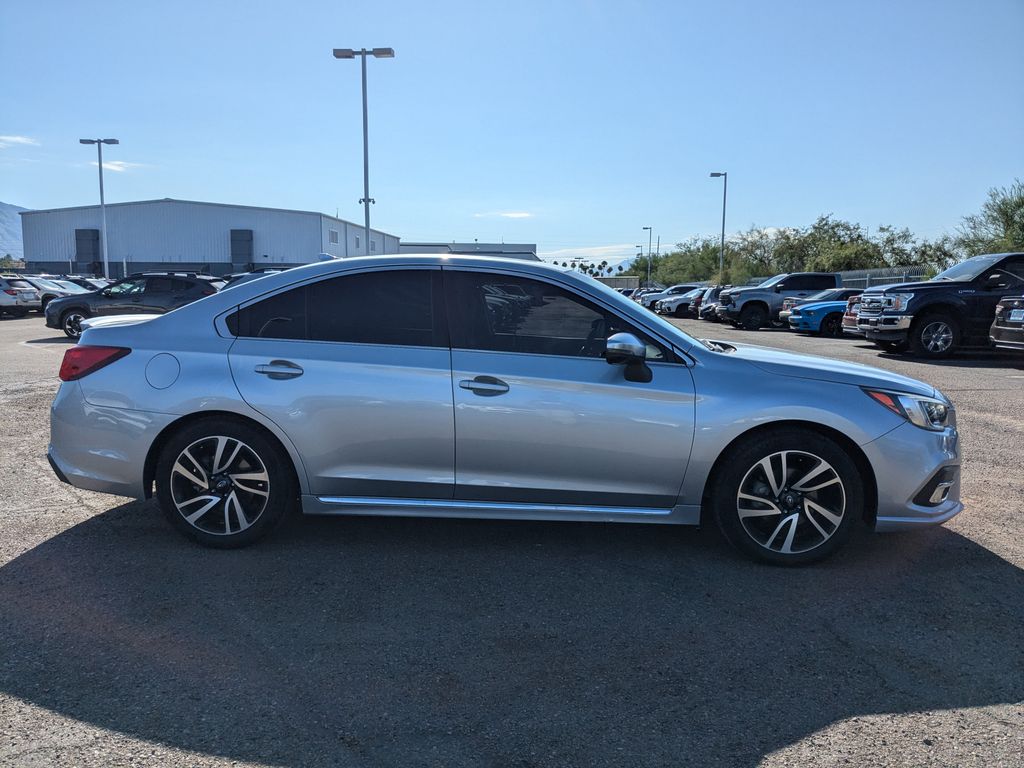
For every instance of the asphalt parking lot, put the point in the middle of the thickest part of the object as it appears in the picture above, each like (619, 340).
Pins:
(391, 642)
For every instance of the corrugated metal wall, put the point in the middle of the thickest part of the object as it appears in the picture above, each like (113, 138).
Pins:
(169, 232)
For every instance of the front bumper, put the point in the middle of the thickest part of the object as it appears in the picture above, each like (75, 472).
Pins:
(100, 448)
(885, 327)
(801, 323)
(728, 312)
(907, 461)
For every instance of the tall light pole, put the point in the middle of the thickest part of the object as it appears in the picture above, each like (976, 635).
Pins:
(378, 53)
(725, 191)
(650, 232)
(103, 206)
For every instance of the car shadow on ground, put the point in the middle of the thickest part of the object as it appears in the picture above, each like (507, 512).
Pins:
(53, 340)
(968, 358)
(390, 641)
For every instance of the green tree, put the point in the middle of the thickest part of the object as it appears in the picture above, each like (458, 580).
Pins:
(999, 227)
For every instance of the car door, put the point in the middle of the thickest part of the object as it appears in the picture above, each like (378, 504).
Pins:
(356, 370)
(542, 418)
(1004, 279)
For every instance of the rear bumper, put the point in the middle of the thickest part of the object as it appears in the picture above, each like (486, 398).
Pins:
(98, 448)
(1010, 338)
(906, 462)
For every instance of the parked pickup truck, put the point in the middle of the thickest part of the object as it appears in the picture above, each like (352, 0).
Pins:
(756, 306)
(954, 309)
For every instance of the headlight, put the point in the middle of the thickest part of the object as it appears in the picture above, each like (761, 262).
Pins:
(896, 302)
(925, 412)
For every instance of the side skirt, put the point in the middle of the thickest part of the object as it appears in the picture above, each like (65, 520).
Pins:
(681, 514)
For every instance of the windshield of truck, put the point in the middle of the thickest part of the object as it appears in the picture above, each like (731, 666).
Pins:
(967, 270)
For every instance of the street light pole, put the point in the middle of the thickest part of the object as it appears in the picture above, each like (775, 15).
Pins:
(379, 53)
(725, 192)
(650, 231)
(103, 206)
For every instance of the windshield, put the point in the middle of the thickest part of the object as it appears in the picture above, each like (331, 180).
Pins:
(771, 281)
(967, 270)
(70, 287)
(823, 295)
(47, 284)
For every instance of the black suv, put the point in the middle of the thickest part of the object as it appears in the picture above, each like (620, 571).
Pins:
(145, 293)
(952, 310)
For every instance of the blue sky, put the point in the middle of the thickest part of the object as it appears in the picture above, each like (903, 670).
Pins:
(568, 124)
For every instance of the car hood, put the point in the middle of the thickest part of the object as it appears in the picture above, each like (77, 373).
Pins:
(782, 363)
(918, 287)
(819, 306)
(108, 321)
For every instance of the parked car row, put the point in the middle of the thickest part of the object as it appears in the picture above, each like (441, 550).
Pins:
(21, 294)
(976, 303)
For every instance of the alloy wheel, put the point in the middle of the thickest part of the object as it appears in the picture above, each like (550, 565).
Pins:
(219, 485)
(791, 502)
(73, 324)
(936, 337)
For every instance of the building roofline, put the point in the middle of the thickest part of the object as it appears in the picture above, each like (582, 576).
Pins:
(201, 202)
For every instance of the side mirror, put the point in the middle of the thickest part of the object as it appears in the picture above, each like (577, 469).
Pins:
(778, 288)
(106, 292)
(623, 349)
(626, 349)
(996, 280)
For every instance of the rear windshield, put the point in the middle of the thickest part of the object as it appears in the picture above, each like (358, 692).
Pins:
(19, 284)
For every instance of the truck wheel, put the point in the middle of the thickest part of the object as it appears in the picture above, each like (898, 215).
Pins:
(934, 335)
(753, 317)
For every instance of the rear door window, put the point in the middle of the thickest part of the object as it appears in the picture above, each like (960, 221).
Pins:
(393, 307)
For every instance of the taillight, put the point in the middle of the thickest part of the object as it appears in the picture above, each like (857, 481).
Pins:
(10, 292)
(81, 360)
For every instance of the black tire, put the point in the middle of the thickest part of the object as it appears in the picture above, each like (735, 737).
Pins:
(804, 536)
(259, 505)
(70, 322)
(831, 325)
(753, 317)
(680, 311)
(934, 335)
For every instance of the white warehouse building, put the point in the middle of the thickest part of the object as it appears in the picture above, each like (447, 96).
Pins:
(187, 235)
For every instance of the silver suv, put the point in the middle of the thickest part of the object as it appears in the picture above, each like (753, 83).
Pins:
(17, 296)
(472, 387)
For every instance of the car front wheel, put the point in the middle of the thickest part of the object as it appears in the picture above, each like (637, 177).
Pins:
(753, 317)
(224, 483)
(934, 335)
(831, 326)
(788, 496)
(71, 322)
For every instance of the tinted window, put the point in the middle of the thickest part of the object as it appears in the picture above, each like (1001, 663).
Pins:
(387, 307)
(808, 282)
(161, 284)
(127, 287)
(536, 318)
(1014, 267)
(19, 284)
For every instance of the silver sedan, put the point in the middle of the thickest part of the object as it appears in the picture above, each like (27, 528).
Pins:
(474, 387)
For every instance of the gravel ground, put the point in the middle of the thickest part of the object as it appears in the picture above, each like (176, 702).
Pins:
(390, 642)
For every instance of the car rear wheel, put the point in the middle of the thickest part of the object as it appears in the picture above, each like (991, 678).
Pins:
(71, 322)
(753, 317)
(224, 483)
(935, 335)
(788, 497)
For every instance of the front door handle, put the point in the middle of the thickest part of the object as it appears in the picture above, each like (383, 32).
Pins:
(280, 369)
(485, 386)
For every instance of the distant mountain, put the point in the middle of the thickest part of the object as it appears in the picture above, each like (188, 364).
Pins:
(10, 231)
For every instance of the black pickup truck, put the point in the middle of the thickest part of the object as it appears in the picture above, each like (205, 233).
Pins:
(954, 309)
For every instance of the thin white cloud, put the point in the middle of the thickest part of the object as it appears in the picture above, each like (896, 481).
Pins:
(118, 165)
(11, 141)
(504, 215)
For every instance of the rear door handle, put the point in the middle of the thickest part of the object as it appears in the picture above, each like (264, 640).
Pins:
(280, 369)
(485, 386)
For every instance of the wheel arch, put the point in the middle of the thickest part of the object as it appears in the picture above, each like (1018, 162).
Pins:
(153, 455)
(957, 310)
(854, 451)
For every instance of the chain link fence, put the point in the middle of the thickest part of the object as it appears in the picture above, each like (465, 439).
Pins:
(865, 278)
